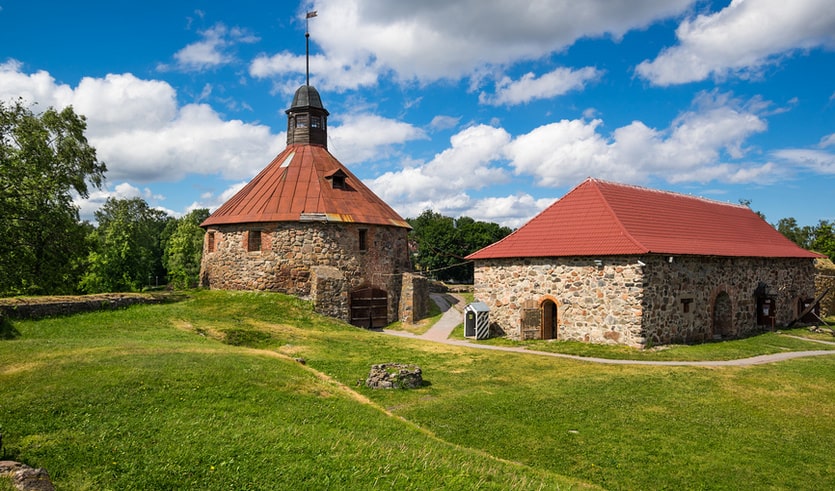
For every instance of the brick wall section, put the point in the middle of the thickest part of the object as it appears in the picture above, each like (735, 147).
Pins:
(624, 302)
(291, 250)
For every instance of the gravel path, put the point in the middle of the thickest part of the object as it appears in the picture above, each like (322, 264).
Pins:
(453, 315)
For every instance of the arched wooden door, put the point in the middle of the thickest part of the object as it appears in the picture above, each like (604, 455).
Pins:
(549, 320)
(369, 307)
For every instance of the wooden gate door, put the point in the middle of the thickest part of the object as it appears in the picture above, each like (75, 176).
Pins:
(369, 308)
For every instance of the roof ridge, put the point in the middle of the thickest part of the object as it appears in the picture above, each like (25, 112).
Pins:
(669, 193)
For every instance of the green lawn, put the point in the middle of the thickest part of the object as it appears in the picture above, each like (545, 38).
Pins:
(205, 394)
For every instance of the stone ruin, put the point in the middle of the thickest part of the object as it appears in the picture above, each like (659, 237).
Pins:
(394, 376)
(24, 477)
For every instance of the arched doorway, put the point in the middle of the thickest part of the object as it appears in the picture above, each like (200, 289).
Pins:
(723, 324)
(549, 319)
(369, 307)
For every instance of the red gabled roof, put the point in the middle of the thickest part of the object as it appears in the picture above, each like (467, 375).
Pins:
(604, 218)
(298, 186)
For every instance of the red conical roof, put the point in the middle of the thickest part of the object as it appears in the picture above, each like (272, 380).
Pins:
(298, 186)
(606, 218)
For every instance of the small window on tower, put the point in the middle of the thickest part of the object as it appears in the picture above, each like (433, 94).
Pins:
(254, 241)
(315, 122)
(363, 239)
(301, 121)
(210, 241)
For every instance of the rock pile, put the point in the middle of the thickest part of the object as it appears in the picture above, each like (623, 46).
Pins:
(394, 376)
(24, 477)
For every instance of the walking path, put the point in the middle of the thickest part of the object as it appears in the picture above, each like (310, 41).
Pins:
(452, 316)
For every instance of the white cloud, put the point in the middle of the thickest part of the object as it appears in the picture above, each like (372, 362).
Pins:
(213, 49)
(442, 122)
(827, 141)
(817, 161)
(741, 39)
(704, 144)
(469, 163)
(124, 190)
(428, 41)
(363, 137)
(327, 72)
(530, 87)
(141, 134)
(568, 151)
(212, 201)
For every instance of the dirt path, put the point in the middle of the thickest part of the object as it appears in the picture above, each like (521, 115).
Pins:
(453, 315)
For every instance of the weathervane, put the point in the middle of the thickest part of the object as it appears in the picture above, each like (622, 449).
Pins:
(310, 14)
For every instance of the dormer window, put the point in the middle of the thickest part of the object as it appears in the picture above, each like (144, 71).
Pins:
(337, 179)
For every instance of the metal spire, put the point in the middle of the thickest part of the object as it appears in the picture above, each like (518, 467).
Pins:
(307, 43)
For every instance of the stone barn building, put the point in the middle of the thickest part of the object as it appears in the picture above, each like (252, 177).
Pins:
(613, 263)
(306, 226)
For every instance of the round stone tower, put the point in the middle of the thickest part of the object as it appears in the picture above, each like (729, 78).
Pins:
(306, 226)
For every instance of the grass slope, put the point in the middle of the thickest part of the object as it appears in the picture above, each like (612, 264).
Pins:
(150, 398)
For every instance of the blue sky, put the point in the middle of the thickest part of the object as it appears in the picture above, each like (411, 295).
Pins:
(473, 107)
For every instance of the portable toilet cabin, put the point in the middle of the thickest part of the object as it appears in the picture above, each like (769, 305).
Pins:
(477, 320)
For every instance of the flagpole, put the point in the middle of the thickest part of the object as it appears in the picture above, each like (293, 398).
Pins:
(307, 44)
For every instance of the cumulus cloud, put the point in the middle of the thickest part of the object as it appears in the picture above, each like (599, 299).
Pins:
(741, 39)
(470, 162)
(141, 134)
(818, 161)
(704, 144)
(87, 207)
(530, 87)
(692, 146)
(364, 137)
(428, 41)
(212, 50)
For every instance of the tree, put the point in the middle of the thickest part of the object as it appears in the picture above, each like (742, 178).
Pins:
(44, 160)
(127, 250)
(442, 243)
(823, 239)
(184, 250)
(801, 236)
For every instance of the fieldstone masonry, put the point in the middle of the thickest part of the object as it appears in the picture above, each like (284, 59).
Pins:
(394, 376)
(640, 301)
(321, 261)
(414, 299)
(825, 281)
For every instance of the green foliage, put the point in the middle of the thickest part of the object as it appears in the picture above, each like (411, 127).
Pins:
(823, 239)
(184, 249)
(44, 159)
(442, 243)
(127, 250)
(820, 238)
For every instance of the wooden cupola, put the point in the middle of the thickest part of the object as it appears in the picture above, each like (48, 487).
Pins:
(307, 119)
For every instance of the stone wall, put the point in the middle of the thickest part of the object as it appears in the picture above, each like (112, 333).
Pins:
(597, 304)
(638, 300)
(50, 306)
(414, 299)
(825, 279)
(291, 252)
(683, 302)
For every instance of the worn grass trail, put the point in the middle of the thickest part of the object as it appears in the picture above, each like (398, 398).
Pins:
(206, 394)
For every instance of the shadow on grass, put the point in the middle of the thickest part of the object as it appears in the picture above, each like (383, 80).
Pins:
(7, 330)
